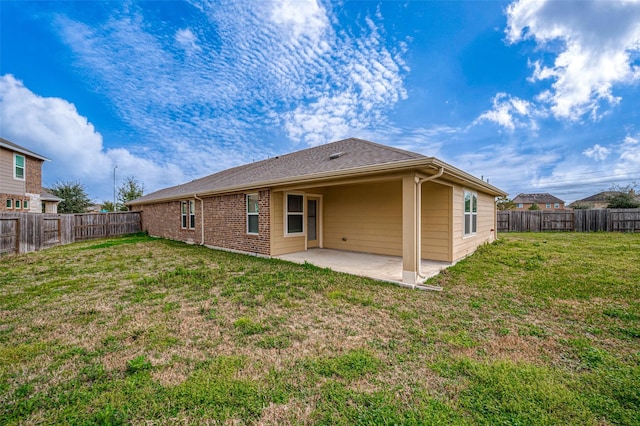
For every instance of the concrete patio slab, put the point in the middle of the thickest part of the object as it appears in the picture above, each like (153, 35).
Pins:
(380, 267)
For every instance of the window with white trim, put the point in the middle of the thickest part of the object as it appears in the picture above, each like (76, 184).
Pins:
(25, 204)
(192, 214)
(18, 166)
(17, 204)
(294, 214)
(470, 213)
(9, 203)
(548, 205)
(252, 214)
(556, 206)
(188, 214)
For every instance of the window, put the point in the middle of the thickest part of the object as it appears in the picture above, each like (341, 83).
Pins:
(556, 206)
(25, 204)
(18, 170)
(188, 214)
(470, 213)
(183, 213)
(548, 205)
(9, 203)
(519, 205)
(17, 204)
(294, 214)
(252, 213)
(192, 214)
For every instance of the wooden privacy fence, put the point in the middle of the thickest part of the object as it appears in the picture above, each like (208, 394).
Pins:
(100, 225)
(607, 220)
(25, 232)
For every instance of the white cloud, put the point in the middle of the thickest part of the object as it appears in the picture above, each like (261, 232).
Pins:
(573, 178)
(54, 128)
(598, 42)
(274, 64)
(597, 152)
(364, 81)
(303, 18)
(507, 165)
(510, 112)
(188, 40)
(630, 155)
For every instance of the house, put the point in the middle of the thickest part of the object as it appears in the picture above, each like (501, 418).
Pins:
(351, 195)
(598, 201)
(544, 201)
(21, 181)
(94, 208)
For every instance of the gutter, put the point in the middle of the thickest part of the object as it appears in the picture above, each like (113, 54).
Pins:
(419, 182)
(195, 195)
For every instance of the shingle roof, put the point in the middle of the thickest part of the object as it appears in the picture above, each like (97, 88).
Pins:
(22, 150)
(600, 196)
(536, 198)
(47, 196)
(347, 154)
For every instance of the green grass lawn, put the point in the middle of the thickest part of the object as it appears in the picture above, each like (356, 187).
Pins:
(533, 329)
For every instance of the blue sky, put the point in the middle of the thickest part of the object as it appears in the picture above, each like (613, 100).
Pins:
(536, 96)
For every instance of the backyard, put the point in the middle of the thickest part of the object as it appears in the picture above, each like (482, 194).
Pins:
(537, 328)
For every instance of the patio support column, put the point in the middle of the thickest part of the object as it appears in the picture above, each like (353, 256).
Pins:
(409, 230)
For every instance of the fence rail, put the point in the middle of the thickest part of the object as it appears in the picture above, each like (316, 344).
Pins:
(25, 232)
(607, 220)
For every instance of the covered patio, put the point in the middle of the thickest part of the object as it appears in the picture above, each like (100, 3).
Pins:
(376, 266)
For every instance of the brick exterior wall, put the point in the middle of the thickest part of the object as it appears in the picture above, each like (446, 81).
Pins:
(165, 220)
(33, 175)
(14, 197)
(225, 222)
(32, 186)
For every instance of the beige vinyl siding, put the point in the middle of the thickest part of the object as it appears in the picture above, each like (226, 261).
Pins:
(464, 246)
(279, 243)
(9, 185)
(436, 222)
(368, 216)
(487, 221)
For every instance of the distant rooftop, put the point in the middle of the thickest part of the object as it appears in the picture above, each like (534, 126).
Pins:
(536, 198)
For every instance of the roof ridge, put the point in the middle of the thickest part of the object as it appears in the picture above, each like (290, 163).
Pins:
(379, 145)
(388, 147)
(358, 153)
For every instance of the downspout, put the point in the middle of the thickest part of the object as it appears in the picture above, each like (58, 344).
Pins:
(201, 217)
(420, 181)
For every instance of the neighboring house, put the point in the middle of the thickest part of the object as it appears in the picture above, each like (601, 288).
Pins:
(544, 201)
(94, 208)
(598, 201)
(350, 195)
(21, 181)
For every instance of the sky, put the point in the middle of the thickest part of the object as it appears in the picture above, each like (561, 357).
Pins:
(533, 96)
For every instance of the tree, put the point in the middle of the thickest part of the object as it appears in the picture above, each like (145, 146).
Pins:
(534, 206)
(624, 198)
(581, 206)
(504, 203)
(129, 190)
(74, 197)
(107, 206)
